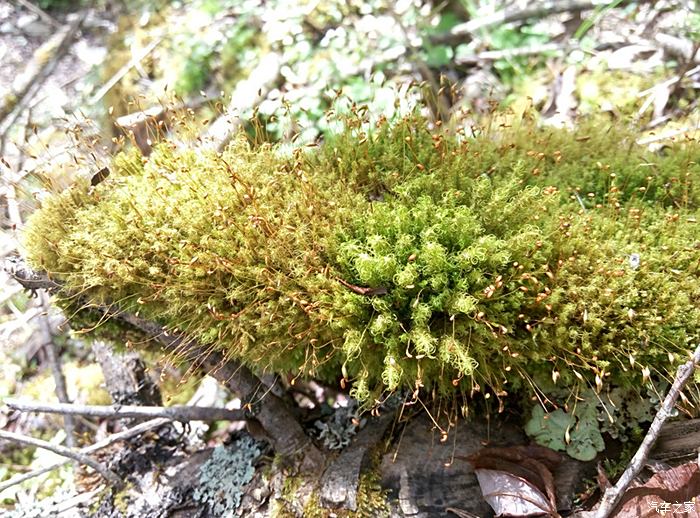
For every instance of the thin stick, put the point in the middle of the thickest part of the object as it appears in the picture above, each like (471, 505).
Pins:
(108, 441)
(493, 55)
(613, 495)
(107, 473)
(124, 70)
(54, 359)
(509, 15)
(669, 82)
(39, 12)
(175, 413)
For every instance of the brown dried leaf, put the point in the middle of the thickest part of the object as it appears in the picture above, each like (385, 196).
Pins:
(673, 492)
(518, 480)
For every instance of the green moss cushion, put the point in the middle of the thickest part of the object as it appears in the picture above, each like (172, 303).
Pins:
(403, 255)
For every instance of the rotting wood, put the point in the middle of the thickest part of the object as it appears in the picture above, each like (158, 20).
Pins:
(678, 440)
(339, 483)
(126, 377)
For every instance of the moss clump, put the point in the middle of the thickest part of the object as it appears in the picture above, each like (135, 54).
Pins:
(372, 501)
(403, 255)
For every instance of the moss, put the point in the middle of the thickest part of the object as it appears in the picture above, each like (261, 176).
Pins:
(371, 502)
(281, 507)
(121, 499)
(495, 262)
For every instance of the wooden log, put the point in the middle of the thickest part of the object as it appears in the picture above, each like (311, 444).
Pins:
(678, 440)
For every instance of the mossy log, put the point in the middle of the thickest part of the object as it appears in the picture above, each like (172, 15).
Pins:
(521, 264)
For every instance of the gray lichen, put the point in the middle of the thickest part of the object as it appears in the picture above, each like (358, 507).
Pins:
(337, 431)
(41, 508)
(223, 477)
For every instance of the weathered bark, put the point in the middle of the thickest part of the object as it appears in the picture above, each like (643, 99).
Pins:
(126, 378)
(339, 481)
(678, 440)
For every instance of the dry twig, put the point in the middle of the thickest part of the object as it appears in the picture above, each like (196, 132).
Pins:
(530, 50)
(124, 70)
(613, 495)
(538, 10)
(106, 473)
(108, 441)
(175, 413)
(39, 12)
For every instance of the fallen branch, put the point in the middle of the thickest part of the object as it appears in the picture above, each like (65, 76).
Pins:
(124, 70)
(613, 495)
(39, 12)
(108, 441)
(509, 15)
(175, 413)
(106, 473)
(36, 72)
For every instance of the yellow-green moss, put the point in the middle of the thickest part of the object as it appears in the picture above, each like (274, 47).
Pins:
(497, 261)
(371, 502)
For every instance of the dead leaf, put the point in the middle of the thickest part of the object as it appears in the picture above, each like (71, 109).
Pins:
(518, 480)
(673, 492)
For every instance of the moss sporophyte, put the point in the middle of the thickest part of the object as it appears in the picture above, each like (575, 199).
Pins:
(514, 263)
